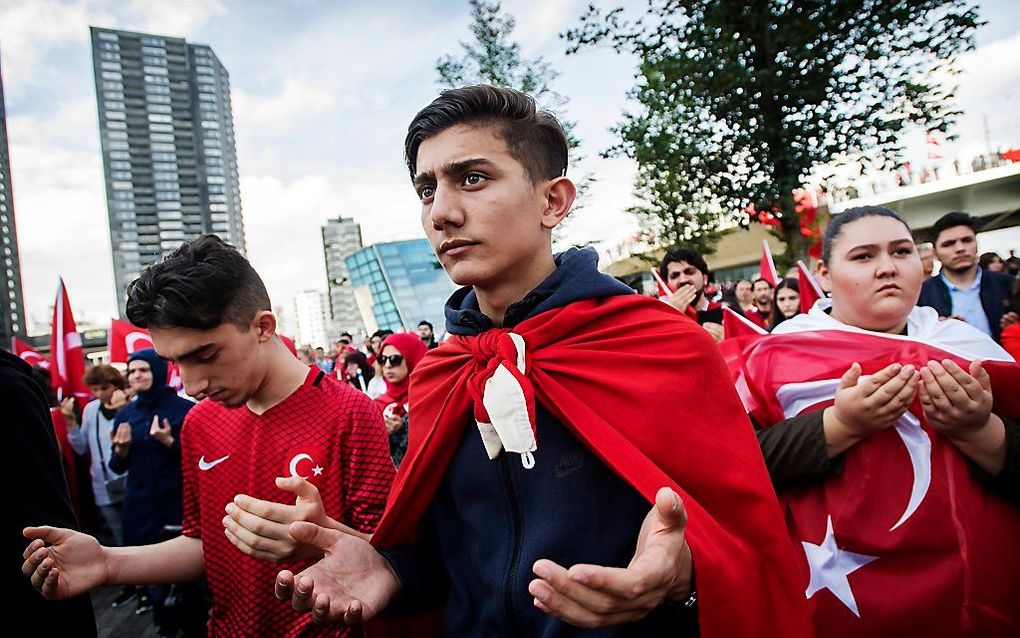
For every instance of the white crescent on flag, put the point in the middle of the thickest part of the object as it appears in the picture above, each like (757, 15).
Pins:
(294, 463)
(797, 397)
(131, 341)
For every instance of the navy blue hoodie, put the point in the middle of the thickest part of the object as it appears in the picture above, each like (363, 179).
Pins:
(492, 519)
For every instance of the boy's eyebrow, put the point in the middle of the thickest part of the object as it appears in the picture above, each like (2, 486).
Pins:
(451, 168)
(189, 353)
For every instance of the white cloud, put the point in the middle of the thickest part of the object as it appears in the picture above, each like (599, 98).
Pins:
(60, 211)
(283, 219)
(297, 99)
(177, 17)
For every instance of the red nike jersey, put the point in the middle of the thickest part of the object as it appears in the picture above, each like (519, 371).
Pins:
(326, 432)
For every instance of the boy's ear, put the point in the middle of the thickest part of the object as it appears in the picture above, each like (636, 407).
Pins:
(559, 197)
(264, 325)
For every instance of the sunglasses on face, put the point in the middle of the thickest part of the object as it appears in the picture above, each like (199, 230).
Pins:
(392, 361)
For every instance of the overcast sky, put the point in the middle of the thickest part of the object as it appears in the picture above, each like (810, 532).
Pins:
(322, 94)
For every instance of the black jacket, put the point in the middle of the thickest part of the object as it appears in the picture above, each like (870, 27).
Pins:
(996, 298)
(491, 520)
(34, 493)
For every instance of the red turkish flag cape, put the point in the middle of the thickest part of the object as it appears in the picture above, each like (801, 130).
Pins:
(28, 354)
(125, 339)
(810, 291)
(904, 541)
(67, 359)
(767, 267)
(669, 418)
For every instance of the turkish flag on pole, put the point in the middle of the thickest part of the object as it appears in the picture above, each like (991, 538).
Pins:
(125, 339)
(736, 326)
(661, 286)
(28, 354)
(67, 359)
(767, 267)
(810, 291)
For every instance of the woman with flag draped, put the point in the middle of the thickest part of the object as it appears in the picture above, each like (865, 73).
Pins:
(889, 435)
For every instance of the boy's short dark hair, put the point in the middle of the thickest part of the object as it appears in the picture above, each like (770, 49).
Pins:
(682, 253)
(533, 137)
(423, 322)
(755, 282)
(202, 284)
(952, 220)
(102, 374)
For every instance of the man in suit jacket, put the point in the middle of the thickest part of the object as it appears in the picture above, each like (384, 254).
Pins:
(962, 289)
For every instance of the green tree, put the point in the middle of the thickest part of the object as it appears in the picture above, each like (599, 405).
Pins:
(740, 100)
(493, 57)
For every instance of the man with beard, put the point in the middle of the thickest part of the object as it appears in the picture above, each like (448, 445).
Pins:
(685, 272)
(962, 289)
(761, 303)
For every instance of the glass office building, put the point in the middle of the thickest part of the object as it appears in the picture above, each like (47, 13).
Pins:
(406, 282)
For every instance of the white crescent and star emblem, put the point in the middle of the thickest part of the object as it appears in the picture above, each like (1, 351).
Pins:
(298, 458)
(830, 566)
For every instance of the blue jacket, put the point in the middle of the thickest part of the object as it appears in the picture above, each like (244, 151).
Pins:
(996, 298)
(153, 490)
(491, 520)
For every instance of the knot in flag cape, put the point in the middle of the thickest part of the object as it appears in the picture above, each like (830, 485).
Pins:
(904, 540)
(648, 393)
(504, 399)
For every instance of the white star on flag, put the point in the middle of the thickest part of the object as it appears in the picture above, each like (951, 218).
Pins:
(317, 470)
(830, 567)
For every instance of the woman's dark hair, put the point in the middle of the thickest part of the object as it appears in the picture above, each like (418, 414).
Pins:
(777, 316)
(202, 284)
(103, 374)
(359, 358)
(533, 137)
(986, 259)
(849, 216)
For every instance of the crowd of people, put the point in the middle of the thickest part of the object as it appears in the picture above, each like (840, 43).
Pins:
(572, 459)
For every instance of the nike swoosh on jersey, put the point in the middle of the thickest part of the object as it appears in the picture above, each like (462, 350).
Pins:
(208, 465)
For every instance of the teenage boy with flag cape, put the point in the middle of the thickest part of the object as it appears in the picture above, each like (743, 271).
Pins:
(561, 407)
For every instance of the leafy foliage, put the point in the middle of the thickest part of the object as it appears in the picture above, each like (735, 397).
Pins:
(741, 100)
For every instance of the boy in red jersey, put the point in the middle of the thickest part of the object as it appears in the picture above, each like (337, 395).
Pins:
(270, 425)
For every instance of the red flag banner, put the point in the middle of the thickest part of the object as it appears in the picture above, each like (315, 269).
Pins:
(661, 286)
(125, 339)
(736, 326)
(810, 291)
(28, 354)
(904, 540)
(767, 267)
(67, 358)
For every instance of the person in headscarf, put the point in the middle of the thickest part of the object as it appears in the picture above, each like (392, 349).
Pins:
(398, 356)
(147, 445)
